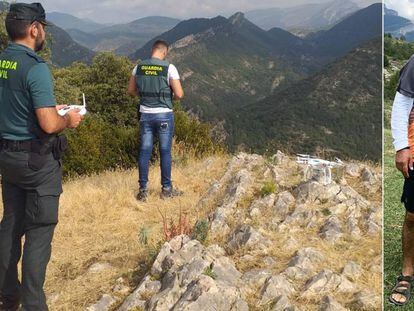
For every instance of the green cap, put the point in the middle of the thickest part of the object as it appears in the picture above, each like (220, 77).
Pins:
(29, 12)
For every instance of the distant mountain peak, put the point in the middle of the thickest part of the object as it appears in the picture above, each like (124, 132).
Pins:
(309, 16)
(397, 25)
(390, 12)
(67, 21)
(237, 19)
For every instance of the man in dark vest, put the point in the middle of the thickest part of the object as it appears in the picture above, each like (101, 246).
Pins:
(30, 154)
(157, 82)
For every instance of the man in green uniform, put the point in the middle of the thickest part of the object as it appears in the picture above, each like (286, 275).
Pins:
(29, 159)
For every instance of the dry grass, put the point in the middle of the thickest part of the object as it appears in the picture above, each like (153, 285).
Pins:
(100, 221)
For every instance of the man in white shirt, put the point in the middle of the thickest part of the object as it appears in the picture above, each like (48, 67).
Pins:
(157, 82)
(402, 107)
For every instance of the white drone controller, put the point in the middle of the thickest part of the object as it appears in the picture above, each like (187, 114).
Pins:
(82, 108)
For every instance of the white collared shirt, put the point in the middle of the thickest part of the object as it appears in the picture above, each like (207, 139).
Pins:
(401, 109)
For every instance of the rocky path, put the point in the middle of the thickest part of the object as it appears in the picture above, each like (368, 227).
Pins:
(281, 237)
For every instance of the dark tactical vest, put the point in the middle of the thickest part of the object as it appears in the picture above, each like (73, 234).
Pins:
(152, 83)
(15, 97)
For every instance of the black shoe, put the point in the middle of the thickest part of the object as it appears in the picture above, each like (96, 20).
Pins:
(170, 192)
(9, 304)
(142, 195)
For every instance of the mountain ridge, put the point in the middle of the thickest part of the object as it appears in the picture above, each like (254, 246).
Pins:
(65, 50)
(397, 25)
(321, 111)
(351, 32)
(125, 38)
(307, 16)
(67, 21)
(226, 62)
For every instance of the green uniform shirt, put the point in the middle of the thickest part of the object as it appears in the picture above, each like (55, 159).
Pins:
(25, 85)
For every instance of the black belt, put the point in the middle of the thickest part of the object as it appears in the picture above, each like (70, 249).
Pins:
(16, 145)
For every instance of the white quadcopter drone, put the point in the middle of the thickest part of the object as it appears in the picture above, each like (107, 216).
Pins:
(82, 108)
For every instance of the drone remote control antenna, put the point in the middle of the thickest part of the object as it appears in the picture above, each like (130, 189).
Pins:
(81, 108)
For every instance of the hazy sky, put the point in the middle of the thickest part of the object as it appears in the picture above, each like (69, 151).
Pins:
(405, 8)
(116, 11)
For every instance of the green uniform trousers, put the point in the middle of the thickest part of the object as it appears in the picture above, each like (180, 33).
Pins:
(30, 202)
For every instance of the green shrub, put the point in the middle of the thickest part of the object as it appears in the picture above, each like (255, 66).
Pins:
(268, 188)
(195, 135)
(200, 231)
(144, 235)
(390, 86)
(97, 146)
(209, 271)
(397, 49)
(326, 212)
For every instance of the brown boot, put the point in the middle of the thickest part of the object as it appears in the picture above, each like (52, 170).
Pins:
(170, 192)
(142, 195)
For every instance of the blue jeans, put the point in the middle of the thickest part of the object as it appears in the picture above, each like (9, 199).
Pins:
(162, 126)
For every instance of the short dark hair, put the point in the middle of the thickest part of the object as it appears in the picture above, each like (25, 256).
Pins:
(159, 44)
(17, 29)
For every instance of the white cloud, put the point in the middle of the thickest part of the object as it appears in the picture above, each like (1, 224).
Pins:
(404, 8)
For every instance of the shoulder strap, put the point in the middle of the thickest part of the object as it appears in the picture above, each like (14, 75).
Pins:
(36, 57)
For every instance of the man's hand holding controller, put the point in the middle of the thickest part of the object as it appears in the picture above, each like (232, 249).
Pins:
(81, 109)
(73, 118)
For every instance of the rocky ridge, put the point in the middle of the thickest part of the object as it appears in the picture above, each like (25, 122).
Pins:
(308, 243)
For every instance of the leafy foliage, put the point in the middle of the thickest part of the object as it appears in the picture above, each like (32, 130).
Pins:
(268, 188)
(391, 85)
(200, 230)
(396, 54)
(144, 235)
(98, 145)
(104, 84)
(326, 212)
(3, 34)
(209, 271)
(397, 49)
